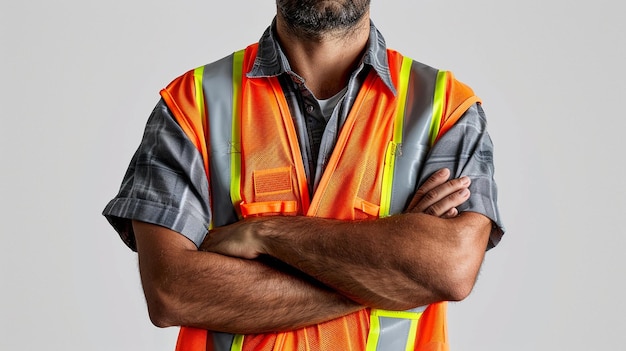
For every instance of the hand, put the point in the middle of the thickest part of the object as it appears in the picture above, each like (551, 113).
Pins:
(240, 239)
(439, 196)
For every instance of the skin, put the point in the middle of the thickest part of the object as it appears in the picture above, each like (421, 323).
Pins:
(395, 263)
(274, 273)
(316, 20)
(238, 294)
(325, 59)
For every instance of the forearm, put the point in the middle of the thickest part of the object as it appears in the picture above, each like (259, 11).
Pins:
(425, 255)
(397, 262)
(187, 287)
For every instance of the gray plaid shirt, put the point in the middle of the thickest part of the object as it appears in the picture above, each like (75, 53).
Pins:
(165, 183)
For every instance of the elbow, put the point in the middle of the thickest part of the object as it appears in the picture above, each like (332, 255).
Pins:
(162, 308)
(459, 279)
(419, 294)
(465, 257)
(159, 316)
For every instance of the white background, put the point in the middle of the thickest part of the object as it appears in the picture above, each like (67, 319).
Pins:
(79, 78)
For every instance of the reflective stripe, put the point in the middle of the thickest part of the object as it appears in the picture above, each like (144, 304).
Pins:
(224, 106)
(222, 341)
(394, 146)
(235, 175)
(403, 87)
(416, 127)
(198, 74)
(397, 330)
(385, 195)
(393, 330)
(438, 103)
(416, 132)
(216, 82)
(237, 343)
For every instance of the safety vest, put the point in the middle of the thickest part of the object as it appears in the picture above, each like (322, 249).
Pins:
(244, 130)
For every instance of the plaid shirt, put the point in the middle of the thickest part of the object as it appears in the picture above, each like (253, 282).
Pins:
(165, 183)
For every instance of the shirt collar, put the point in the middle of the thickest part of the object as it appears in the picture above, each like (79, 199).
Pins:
(271, 61)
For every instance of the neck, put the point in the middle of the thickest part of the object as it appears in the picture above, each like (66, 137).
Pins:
(326, 61)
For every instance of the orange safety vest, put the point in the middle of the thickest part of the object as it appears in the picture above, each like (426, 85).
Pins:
(252, 158)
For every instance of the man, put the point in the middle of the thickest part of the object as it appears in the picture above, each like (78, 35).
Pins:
(273, 201)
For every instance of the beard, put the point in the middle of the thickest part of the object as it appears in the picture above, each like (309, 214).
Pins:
(315, 18)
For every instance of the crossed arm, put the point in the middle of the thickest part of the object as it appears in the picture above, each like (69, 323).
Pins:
(280, 273)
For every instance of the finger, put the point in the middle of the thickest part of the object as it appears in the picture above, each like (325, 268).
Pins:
(447, 205)
(441, 191)
(453, 212)
(436, 179)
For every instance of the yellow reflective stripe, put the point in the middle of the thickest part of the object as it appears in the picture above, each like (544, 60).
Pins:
(237, 343)
(403, 87)
(385, 195)
(374, 333)
(397, 314)
(385, 207)
(235, 162)
(198, 74)
(438, 100)
(392, 148)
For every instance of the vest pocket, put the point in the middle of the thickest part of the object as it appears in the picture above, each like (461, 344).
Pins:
(269, 182)
(272, 194)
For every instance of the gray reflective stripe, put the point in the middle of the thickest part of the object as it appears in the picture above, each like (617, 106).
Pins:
(397, 333)
(418, 309)
(217, 84)
(393, 334)
(393, 330)
(415, 138)
(222, 341)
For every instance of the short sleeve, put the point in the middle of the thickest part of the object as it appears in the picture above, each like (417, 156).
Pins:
(165, 183)
(467, 149)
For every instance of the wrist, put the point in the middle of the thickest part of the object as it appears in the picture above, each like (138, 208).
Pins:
(264, 231)
(272, 233)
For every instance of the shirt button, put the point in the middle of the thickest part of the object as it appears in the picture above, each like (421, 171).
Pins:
(309, 108)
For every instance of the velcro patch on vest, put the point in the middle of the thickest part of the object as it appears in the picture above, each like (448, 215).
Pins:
(272, 181)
